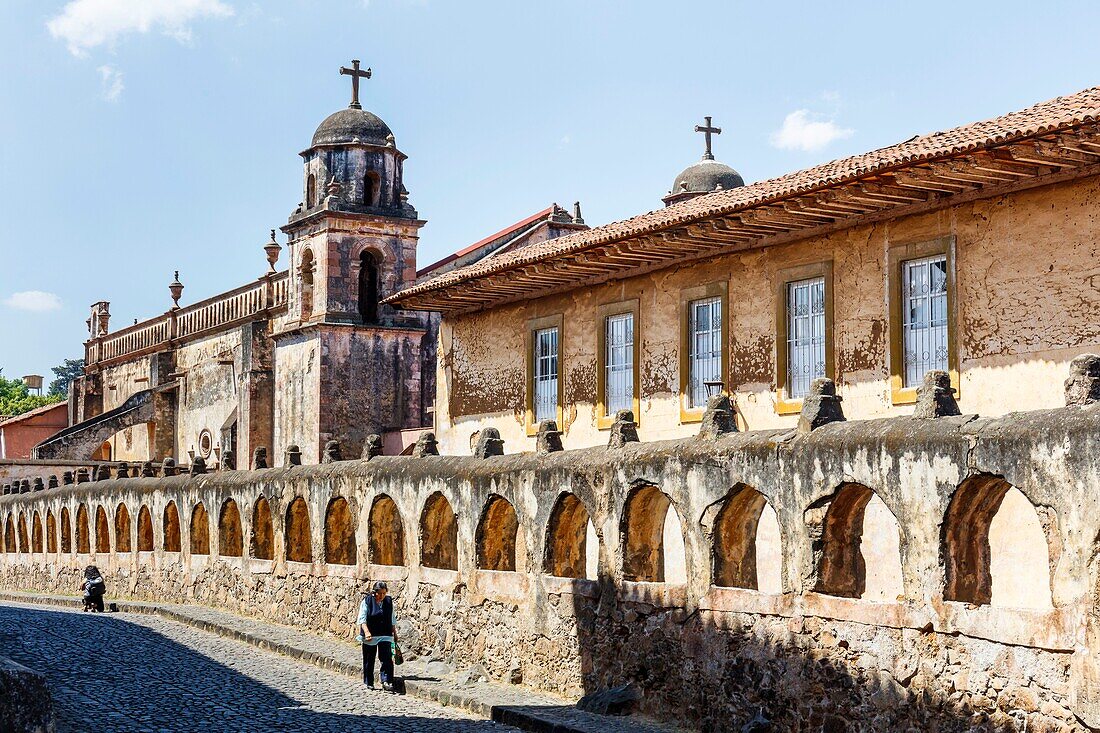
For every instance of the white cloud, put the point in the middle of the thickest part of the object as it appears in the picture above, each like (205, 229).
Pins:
(803, 131)
(112, 82)
(87, 24)
(33, 300)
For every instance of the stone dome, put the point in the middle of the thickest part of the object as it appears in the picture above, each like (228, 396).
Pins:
(706, 176)
(343, 127)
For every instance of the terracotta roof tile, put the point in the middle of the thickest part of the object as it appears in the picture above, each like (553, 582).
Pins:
(1058, 113)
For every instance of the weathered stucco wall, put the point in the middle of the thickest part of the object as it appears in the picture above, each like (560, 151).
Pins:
(1026, 303)
(298, 395)
(208, 391)
(817, 654)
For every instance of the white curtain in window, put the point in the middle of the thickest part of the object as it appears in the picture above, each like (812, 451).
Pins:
(705, 347)
(924, 317)
(546, 374)
(805, 335)
(619, 350)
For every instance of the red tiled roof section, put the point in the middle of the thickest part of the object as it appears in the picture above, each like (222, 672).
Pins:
(487, 240)
(1055, 114)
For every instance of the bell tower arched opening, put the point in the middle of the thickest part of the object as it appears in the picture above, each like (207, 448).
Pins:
(368, 287)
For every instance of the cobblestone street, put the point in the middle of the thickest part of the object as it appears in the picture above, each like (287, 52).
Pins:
(131, 672)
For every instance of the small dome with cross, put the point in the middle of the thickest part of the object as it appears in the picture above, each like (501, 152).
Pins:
(706, 176)
(350, 126)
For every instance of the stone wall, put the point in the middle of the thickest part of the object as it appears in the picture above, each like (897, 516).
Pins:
(25, 703)
(824, 648)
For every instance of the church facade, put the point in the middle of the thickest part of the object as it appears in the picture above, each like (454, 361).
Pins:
(295, 358)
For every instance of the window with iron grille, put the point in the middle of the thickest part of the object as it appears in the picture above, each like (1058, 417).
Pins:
(704, 347)
(805, 335)
(546, 374)
(924, 317)
(619, 369)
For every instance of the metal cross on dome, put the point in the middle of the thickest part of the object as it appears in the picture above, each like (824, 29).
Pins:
(707, 131)
(356, 75)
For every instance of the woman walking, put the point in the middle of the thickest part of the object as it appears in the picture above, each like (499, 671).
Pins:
(377, 634)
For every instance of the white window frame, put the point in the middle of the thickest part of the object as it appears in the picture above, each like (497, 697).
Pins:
(806, 335)
(704, 348)
(619, 362)
(924, 318)
(546, 373)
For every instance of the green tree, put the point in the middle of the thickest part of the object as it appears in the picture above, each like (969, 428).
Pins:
(15, 398)
(65, 373)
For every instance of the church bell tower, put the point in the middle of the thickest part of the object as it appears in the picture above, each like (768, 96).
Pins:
(352, 362)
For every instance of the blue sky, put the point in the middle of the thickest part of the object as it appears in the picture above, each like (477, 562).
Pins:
(145, 136)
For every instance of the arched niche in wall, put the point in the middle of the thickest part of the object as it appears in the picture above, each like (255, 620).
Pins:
(498, 535)
(298, 539)
(438, 534)
(994, 546)
(263, 533)
(66, 531)
(230, 534)
(859, 549)
(172, 541)
(386, 544)
(746, 549)
(145, 530)
(83, 536)
(24, 536)
(102, 531)
(9, 536)
(652, 538)
(51, 532)
(339, 533)
(200, 530)
(572, 546)
(122, 529)
(36, 533)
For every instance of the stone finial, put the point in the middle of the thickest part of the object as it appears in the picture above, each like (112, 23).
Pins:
(718, 417)
(489, 443)
(228, 461)
(821, 406)
(102, 473)
(6, 490)
(123, 470)
(147, 469)
(259, 458)
(38, 484)
(292, 456)
(372, 446)
(52, 483)
(168, 466)
(25, 486)
(624, 430)
(82, 476)
(426, 445)
(1083, 384)
(68, 478)
(548, 439)
(198, 466)
(332, 452)
(936, 396)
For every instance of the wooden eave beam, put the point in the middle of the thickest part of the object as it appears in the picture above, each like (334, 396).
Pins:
(1051, 149)
(726, 229)
(925, 183)
(893, 193)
